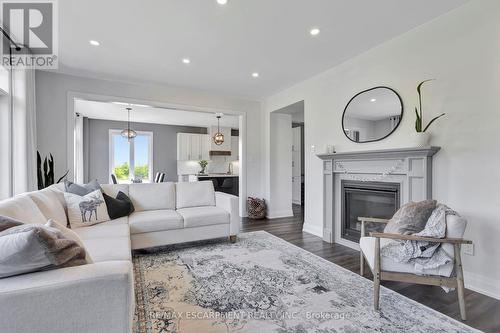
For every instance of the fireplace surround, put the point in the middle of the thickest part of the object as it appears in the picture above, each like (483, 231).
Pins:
(407, 169)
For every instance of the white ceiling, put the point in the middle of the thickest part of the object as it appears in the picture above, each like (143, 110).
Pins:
(147, 40)
(151, 115)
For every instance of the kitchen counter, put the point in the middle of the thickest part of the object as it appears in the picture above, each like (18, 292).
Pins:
(216, 175)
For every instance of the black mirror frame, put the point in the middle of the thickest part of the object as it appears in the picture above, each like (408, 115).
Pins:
(362, 92)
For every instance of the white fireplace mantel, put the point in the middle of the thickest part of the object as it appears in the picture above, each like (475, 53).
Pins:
(410, 167)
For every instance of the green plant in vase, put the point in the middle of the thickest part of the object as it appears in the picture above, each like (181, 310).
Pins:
(421, 136)
(203, 164)
(45, 171)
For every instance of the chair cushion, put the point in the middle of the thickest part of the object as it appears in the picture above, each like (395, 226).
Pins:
(106, 249)
(152, 196)
(155, 220)
(22, 208)
(51, 203)
(195, 194)
(411, 217)
(367, 245)
(103, 230)
(201, 216)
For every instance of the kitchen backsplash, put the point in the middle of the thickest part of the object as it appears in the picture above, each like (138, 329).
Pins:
(217, 164)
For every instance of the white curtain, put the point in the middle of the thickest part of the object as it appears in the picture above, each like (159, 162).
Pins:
(23, 131)
(78, 149)
(17, 132)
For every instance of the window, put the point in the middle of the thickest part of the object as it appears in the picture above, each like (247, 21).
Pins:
(131, 160)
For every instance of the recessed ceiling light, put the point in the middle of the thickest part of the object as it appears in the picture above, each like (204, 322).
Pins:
(221, 2)
(255, 74)
(314, 31)
(94, 43)
(373, 100)
(186, 61)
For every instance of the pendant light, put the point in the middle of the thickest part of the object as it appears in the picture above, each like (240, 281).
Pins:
(128, 133)
(218, 137)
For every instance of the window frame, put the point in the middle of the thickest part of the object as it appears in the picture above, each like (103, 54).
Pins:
(113, 132)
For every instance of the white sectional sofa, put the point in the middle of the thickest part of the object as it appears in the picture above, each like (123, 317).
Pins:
(99, 297)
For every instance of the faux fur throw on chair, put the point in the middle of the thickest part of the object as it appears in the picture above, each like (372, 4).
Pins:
(423, 255)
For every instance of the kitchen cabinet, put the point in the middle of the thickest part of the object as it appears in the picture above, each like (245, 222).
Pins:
(193, 147)
(235, 148)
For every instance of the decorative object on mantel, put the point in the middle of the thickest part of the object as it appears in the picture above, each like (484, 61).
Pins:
(397, 166)
(128, 133)
(218, 137)
(203, 164)
(372, 115)
(422, 137)
(330, 149)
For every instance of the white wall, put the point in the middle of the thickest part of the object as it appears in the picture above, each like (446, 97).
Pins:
(280, 199)
(462, 51)
(51, 97)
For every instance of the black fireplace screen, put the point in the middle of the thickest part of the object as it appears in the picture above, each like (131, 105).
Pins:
(368, 199)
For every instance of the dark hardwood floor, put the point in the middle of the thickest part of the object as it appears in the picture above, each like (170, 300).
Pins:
(483, 312)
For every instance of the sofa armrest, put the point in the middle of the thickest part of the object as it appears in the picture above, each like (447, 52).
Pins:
(90, 298)
(230, 203)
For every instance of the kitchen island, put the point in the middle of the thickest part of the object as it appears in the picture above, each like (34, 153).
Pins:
(227, 183)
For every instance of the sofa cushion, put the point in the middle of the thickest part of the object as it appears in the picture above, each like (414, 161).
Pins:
(51, 203)
(120, 206)
(201, 216)
(152, 196)
(87, 210)
(103, 230)
(33, 247)
(155, 220)
(113, 189)
(106, 249)
(81, 189)
(195, 194)
(22, 208)
(367, 245)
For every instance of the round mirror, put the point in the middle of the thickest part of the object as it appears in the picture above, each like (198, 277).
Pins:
(372, 115)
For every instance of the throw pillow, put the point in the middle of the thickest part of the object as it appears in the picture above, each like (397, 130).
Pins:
(81, 189)
(69, 234)
(411, 218)
(87, 210)
(34, 247)
(7, 222)
(119, 207)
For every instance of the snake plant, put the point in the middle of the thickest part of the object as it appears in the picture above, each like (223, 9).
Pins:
(419, 123)
(45, 171)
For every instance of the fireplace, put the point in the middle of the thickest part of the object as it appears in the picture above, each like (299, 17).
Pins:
(368, 199)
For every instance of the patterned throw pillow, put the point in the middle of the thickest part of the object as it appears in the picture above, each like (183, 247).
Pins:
(411, 218)
(87, 210)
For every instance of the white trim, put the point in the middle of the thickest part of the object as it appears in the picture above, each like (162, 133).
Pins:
(70, 103)
(312, 229)
(482, 284)
(279, 214)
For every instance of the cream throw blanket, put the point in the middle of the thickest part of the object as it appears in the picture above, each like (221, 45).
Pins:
(423, 255)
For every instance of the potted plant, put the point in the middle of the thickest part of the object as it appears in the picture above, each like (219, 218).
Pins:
(422, 137)
(45, 171)
(203, 164)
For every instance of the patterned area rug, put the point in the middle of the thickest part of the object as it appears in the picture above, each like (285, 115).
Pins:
(265, 284)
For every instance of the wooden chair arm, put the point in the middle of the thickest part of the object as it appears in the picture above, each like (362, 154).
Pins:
(418, 238)
(373, 220)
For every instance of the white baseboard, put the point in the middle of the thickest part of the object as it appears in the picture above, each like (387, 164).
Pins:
(313, 229)
(279, 214)
(482, 284)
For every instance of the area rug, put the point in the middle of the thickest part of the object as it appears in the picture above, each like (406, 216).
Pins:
(265, 284)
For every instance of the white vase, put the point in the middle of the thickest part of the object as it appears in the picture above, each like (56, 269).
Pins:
(421, 139)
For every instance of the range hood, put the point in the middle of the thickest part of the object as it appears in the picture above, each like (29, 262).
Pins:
(219, 153)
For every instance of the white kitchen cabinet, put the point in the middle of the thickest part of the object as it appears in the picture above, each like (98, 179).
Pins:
(192, 147)
(235, 148)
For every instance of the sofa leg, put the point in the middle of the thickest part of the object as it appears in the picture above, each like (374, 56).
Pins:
(232, 238)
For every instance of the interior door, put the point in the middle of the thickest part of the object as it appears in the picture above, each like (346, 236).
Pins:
(296, 166)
